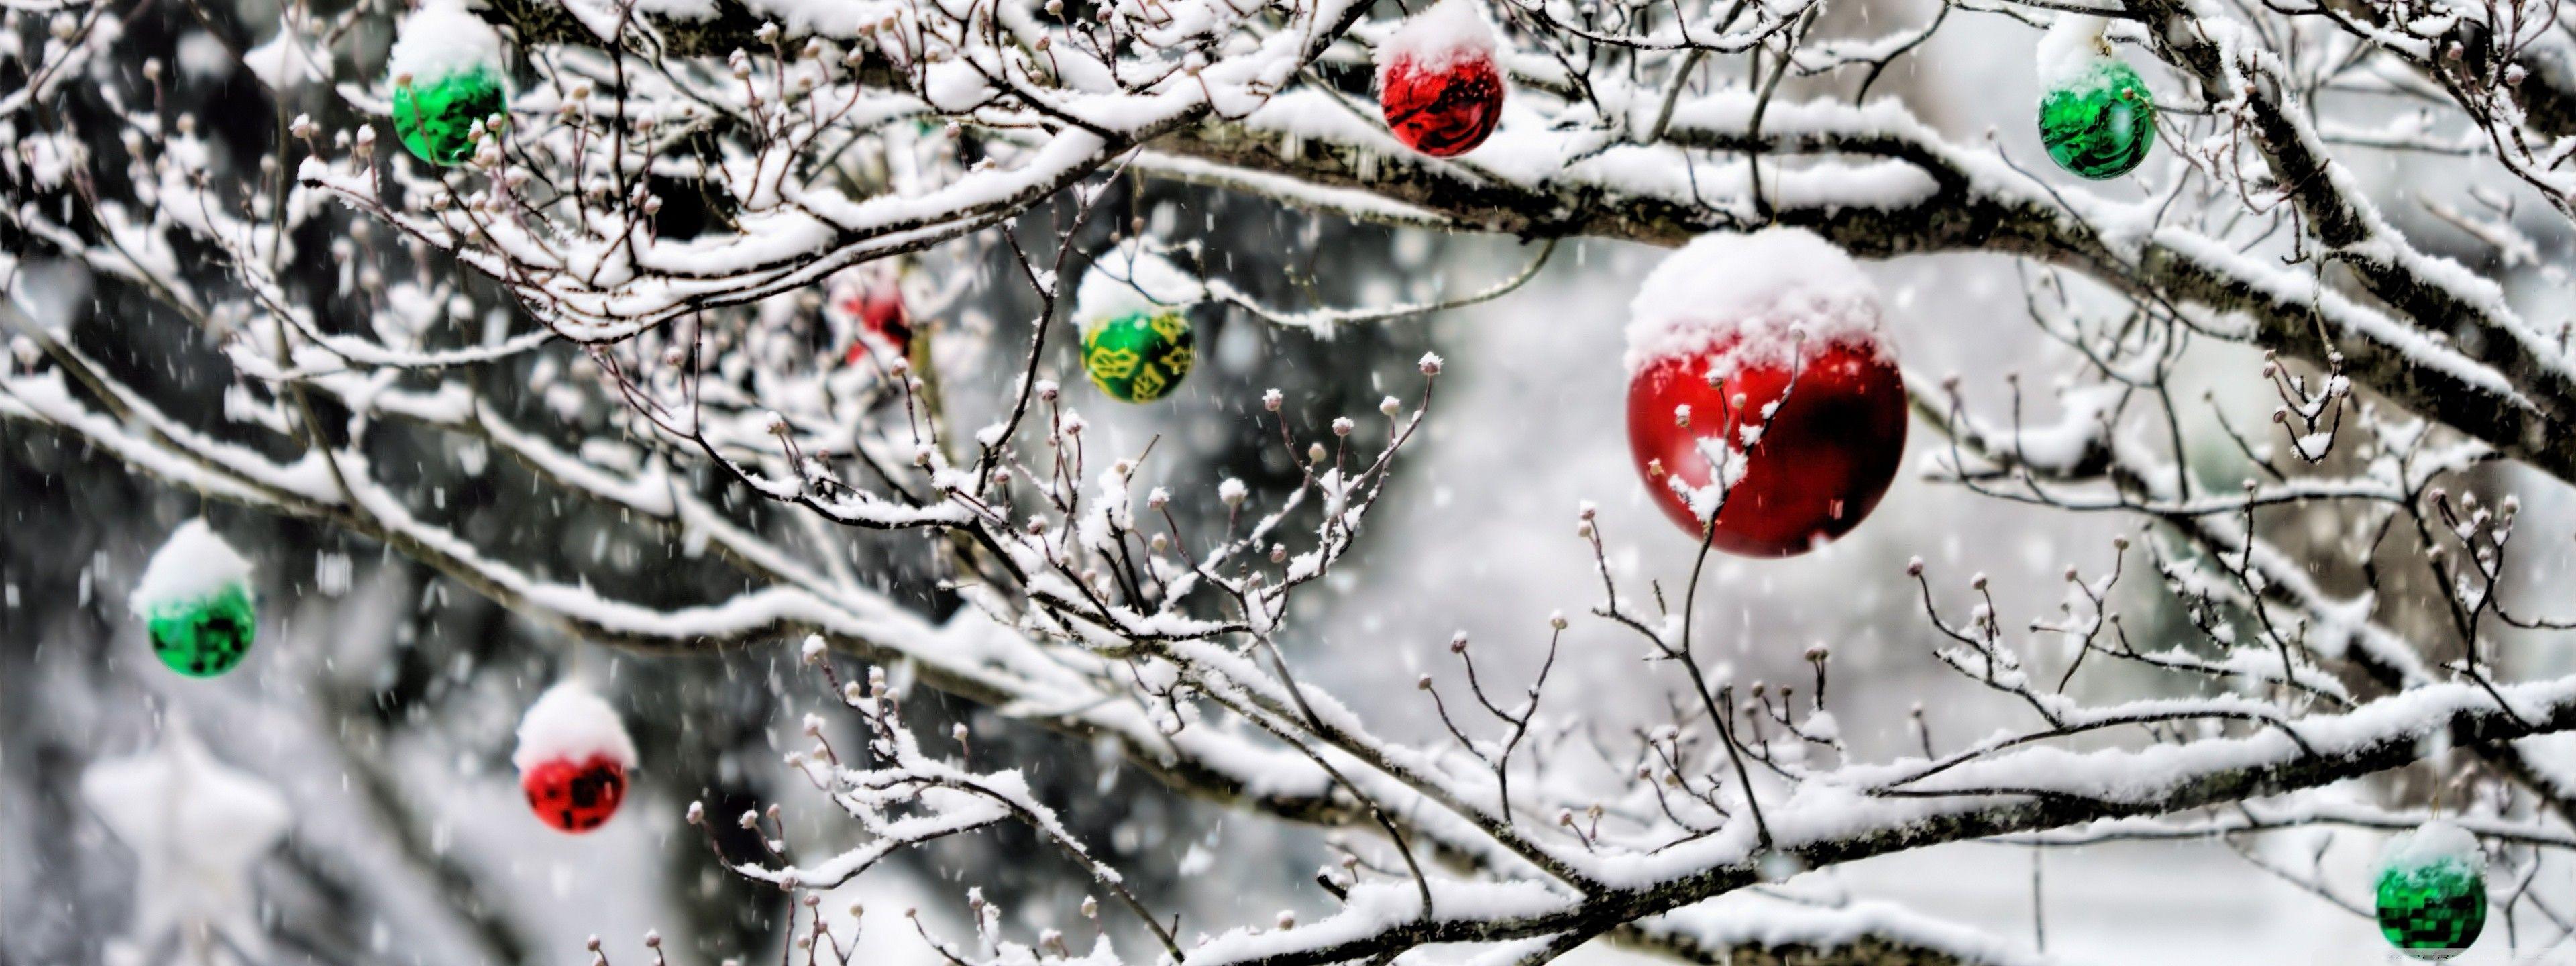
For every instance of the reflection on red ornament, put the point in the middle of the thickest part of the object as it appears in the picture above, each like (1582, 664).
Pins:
(1813, 469)
(1437, 82)
(1442, 113)
(575, 797)
(872, 315)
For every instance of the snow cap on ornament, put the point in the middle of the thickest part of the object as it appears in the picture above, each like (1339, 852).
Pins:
(573, 758)
(196, 602)
(1763, 391)
(1437, 82)
(2096, 116)
(1133, 309)
(1765, 293)
(2432, 890)
(448, 77)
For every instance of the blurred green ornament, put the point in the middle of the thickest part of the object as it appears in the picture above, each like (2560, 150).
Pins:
(194, 598)
(1140, 356)
(436, 115)
(2433, 892)
(206, 636)
(2099, 120)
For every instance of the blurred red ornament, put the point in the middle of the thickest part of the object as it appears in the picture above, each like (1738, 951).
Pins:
(573, 757)
(575, 796)
(1437, 82)
(1812, 469)
(872, 312)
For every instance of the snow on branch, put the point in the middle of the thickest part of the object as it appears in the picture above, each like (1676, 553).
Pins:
(1883, 184)
(1858, 932)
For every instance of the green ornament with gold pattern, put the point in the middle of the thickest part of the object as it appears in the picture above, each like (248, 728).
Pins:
(1139, 356)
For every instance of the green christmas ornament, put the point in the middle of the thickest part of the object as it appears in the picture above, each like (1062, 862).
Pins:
(436, 117)
(195, 601)
(207, 637)
(446, 73)
(1139, 356)
(1137, 343)
(2432, 891)
(2095, 114)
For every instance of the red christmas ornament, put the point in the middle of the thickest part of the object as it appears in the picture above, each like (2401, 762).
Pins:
(870, 314)
(575, 796)
(1764, 351)
(573, 757)
(1437, 81)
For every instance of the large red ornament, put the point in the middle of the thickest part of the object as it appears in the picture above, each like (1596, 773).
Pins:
(870, 307)
(1808, 410)
(575, 796)
(1437, 82)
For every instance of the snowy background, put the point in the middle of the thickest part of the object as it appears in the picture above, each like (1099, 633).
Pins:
(380, 700)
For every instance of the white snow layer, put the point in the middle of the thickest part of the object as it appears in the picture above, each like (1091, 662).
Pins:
(2433, 843)
(54, 293)
(197, 827)
(1780, 288)
(284, 63)
(571, 722)
(1772, 923)
(1127, 279)
(192, 565)
(2071, 48)
(1435, 38)
(441, 38)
